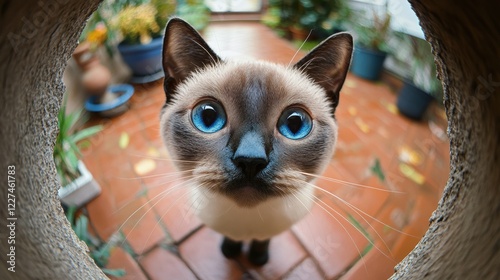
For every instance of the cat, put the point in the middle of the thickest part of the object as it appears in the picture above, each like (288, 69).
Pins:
(248, 133)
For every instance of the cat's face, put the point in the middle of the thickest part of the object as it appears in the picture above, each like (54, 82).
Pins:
(250, 130)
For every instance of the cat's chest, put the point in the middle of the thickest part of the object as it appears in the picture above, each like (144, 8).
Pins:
(263, 221)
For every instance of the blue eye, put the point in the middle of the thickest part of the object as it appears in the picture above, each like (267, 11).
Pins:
(208, 116)
(294, 123)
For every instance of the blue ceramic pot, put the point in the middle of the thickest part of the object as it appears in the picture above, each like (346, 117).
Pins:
(123, 93)
(412, 101)
(367, 63)
(144, 60)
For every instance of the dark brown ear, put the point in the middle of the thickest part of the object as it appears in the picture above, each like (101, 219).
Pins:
(184, 51)
(327, 64)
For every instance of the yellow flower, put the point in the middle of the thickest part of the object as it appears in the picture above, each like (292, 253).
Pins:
(137, 23)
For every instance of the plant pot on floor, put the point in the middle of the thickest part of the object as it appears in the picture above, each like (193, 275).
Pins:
(412, 101)
(145, 61)
(81, 190)
(367, 63)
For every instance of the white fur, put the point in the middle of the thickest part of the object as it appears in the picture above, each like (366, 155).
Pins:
(261, 222)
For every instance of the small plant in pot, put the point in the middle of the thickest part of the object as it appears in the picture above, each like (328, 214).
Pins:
(300, 17)
(140, 24)
(78, 185)
(422, 87)
(371, 48)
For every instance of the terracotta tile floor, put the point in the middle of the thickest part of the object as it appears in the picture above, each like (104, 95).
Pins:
(353, 232)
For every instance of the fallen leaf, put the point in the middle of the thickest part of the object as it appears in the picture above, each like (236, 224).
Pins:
(392, 108)
(409, 155)
(352, 110)
(362, 125)
(350, 84)
(124, 140)
(144, 166)
(153, 152)
(412, 174)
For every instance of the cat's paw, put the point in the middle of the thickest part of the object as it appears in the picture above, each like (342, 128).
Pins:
(258, 258)
(230, 248)
(259, 252)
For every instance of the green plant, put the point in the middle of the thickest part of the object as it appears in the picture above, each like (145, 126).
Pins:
(66, 150)
(373, 32)
(322, 16)
(98, 250)
(423, 69)
(132, 21)
(195, 12)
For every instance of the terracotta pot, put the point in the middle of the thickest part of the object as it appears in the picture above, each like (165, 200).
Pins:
(95, 76)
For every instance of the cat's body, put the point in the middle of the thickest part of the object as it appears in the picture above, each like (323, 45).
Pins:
(249, 134)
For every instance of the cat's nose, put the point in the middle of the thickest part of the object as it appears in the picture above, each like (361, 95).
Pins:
(250, 166)
(250, 156)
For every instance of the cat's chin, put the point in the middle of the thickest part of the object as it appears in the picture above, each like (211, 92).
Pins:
(248, 195)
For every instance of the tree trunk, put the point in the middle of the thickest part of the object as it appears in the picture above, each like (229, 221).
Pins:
(463, 241)
(37, 39)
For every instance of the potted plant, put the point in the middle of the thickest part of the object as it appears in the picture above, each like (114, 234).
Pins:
(371, 48)
(196, 12)
(422, 85)
(78, 185)
(140, 26)
(99, 251)
(300, 17)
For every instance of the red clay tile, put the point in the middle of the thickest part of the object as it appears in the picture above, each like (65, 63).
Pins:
(170, 200)
(373, 266)
(285, 252)
(202, 253)
(119, 259)
(305, 270)
(143, 230)
(330, 239)
(362, 201)
(162, 264)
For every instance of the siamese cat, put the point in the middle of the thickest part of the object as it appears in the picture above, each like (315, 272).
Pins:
(248, 133)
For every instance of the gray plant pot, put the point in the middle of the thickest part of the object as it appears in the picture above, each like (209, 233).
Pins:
(82, 190)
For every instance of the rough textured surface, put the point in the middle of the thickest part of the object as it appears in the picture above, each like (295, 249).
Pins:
(462, 241)
(37, 38)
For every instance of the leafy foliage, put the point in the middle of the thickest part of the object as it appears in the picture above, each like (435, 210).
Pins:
(322, 16)
(66, 150)
(99, 251)
(373, 32)
(195, 12)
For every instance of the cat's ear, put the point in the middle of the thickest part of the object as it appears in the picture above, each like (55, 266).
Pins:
(184, 51)
(327, 64)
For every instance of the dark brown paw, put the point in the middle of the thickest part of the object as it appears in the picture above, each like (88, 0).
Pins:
(259, 253)
(230, 248)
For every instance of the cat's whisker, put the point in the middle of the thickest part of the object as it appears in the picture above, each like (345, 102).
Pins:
(143, 191)
(300, 48)
(161, 218)
(301, 202)
(161, 158)
(315, 200)
(260, 215)
(165, 175)
(333, 180)
(357, 211)
(163, 194)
